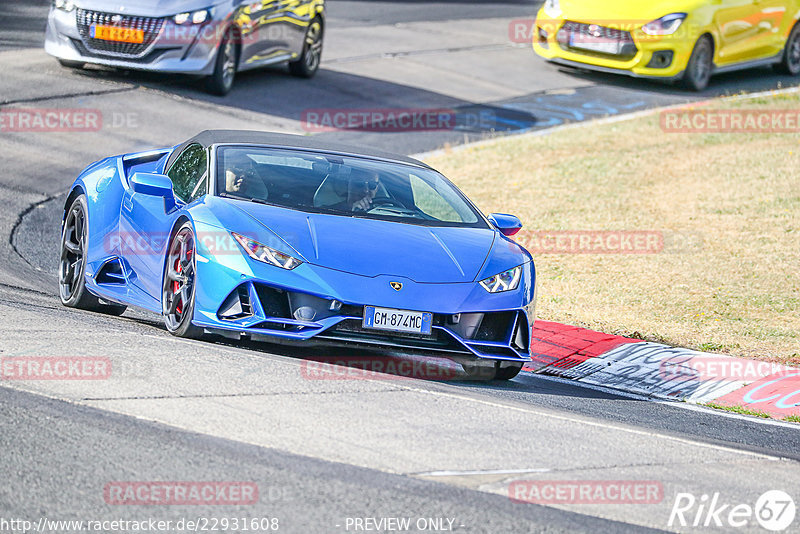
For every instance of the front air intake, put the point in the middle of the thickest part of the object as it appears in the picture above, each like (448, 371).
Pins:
(237, 305)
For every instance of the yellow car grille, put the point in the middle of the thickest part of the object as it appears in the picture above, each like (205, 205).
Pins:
(596, 40)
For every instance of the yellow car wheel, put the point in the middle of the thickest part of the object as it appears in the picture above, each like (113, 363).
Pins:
(790, 64)
(701, 62)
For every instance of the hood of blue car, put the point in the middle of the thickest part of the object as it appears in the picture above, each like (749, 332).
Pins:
(370, 247)
(148, 8)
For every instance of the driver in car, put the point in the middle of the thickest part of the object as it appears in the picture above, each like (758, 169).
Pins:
(362, 189)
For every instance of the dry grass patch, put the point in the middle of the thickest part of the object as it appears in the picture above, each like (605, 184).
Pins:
(728, 205)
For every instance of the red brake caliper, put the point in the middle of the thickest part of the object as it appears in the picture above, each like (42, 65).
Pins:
(176, 285)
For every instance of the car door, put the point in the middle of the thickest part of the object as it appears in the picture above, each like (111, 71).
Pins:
(775, 22)
(270, 30)
(738, 29)
(146, 220)
(750, 29)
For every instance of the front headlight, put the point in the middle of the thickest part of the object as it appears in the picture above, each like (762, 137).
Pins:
(193, 17)
(552, 8)
(666, 25)
(506, 281)
(64, 5)
(265, 254)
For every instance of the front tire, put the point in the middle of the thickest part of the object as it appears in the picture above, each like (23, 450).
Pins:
(307, 65)
(701, 63)
(72, 267)
(221, 81)
(507, 373)
(496, 372)
(178, 291)
(790, 63)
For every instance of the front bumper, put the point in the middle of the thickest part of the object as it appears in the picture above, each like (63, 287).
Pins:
(646, 56)
(260, 301)
(167, 47)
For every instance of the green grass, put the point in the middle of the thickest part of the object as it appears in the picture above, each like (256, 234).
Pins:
(716, 347)
(739, 409)
(711, 347)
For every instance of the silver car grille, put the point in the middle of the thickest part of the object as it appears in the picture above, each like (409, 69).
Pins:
(150, 26)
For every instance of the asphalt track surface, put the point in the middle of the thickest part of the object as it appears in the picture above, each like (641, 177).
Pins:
(323, 451)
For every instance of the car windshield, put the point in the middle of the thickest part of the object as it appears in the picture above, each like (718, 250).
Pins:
(342, 185)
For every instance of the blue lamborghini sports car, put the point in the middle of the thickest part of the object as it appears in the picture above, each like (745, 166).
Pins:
(285, 239)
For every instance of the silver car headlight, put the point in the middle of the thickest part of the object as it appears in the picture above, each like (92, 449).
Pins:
(265, 254)
(505, 281)
(666, 25)
(552, 8)
(192, 17)
(64, 5)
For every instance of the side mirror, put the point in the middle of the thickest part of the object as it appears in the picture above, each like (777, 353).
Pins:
(156, 185)
(507, 224)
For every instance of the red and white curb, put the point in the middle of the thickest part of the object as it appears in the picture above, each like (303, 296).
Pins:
(663, 372)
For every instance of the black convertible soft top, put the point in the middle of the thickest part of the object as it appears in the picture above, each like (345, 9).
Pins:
(253, 137)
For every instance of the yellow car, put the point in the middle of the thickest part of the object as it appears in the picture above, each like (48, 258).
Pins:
(682, 40)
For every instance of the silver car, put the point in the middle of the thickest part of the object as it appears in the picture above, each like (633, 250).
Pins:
(207, 37)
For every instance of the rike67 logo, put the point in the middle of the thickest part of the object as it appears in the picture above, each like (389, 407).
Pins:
(775, 511)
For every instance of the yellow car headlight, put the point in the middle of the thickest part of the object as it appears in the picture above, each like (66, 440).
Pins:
(666, 25)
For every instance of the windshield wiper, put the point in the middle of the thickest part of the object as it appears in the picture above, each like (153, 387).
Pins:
(246, 199)
(401, 211)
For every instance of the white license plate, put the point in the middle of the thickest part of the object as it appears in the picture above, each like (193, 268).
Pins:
(397, 320)
(602, 44)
